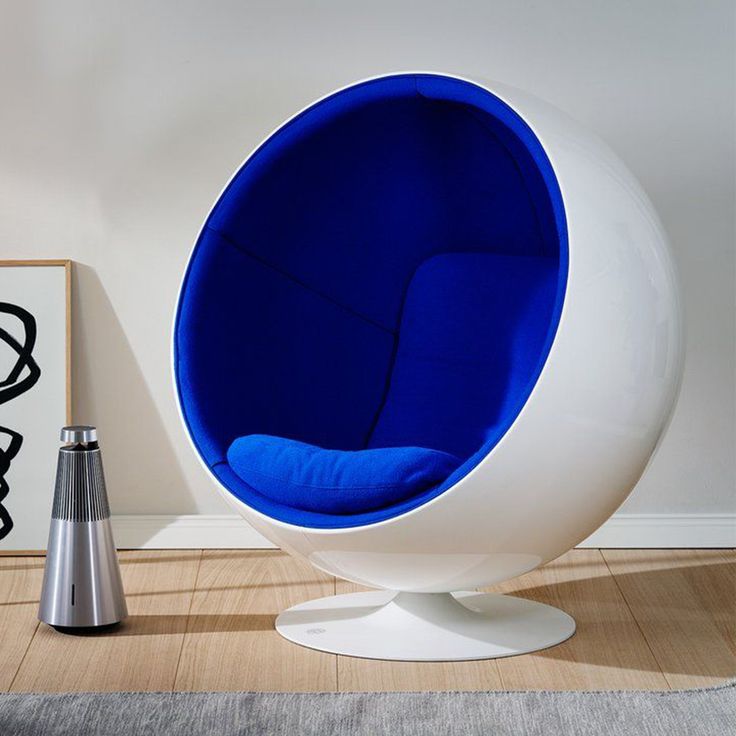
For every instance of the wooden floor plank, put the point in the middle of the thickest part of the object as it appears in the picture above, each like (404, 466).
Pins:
(712, 575)
(355, 674)
(209, 626)
(20, 586)
(140, 654)
(607, 651)
(231, 643)
(684, 603)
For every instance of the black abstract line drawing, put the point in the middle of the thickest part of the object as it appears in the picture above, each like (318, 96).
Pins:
(22, 376)
(6, 455)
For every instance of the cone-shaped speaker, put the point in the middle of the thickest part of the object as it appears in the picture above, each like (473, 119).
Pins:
(82, 587)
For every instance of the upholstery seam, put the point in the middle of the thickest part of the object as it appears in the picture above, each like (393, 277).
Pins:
(389, 377)
(463, 110)
(395, 349)
(532, 204)
(246, 252)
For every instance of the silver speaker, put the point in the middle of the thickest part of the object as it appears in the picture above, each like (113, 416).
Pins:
(82, 587)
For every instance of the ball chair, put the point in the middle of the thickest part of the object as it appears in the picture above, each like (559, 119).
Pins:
(428, 339)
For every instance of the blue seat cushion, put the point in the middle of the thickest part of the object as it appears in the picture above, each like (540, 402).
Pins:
(312, 478)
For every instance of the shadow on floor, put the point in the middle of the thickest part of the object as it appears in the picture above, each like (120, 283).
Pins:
(147, 625)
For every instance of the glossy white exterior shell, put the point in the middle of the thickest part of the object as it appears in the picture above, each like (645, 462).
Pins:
(586, 433)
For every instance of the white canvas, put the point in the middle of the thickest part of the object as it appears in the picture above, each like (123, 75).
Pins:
(38, 413)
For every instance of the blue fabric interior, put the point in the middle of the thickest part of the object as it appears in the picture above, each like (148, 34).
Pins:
(312, 478)
(472, 329)
(388, 269)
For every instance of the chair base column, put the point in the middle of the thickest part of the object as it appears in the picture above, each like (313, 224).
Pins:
(425, 626)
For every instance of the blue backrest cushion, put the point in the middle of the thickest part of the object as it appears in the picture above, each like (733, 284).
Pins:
(471, 334)
(312, 478)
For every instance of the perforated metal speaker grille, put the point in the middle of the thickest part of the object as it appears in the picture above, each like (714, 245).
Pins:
(80, 493)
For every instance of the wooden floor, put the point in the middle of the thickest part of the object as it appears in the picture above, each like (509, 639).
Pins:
(203, 620)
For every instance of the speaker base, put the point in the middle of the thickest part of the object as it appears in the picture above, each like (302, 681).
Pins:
(86, 630)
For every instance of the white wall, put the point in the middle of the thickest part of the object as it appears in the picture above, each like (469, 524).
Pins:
(121, 122)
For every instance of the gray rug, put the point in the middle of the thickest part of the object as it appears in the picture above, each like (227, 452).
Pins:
(707, 712)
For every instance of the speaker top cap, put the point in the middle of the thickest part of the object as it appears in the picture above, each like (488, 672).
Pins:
(78, 433)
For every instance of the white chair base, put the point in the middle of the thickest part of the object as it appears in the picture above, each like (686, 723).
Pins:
(425, 626)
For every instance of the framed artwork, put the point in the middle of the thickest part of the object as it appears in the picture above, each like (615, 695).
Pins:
(35, 394)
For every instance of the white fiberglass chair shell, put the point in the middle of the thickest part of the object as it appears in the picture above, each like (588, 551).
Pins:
(428, 339)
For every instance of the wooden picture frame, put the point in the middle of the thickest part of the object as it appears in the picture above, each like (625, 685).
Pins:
(35, 367)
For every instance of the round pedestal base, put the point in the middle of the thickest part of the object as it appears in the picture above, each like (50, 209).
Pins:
(425, 626)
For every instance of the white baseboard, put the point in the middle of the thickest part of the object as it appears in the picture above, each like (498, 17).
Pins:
(231, 532)
(665, 530)
(186, 531)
